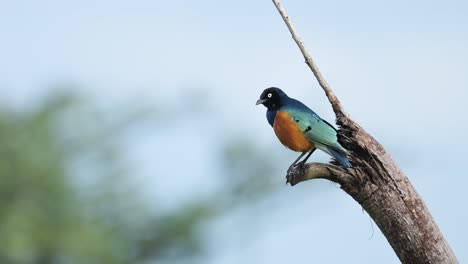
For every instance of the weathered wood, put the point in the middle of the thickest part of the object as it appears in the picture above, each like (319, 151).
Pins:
(376, 182)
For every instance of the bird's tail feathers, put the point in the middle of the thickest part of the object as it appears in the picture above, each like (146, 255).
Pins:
(339, 156)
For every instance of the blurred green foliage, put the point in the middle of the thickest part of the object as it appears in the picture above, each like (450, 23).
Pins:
(65, 194)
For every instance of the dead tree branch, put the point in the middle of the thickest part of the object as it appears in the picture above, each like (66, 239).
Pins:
(376, 182)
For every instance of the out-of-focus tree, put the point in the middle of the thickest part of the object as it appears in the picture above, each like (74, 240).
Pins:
(64, 195)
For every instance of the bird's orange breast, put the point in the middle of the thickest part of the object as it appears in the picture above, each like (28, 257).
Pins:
(289, 134)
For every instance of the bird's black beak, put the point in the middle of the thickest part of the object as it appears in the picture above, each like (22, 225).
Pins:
(260, 101)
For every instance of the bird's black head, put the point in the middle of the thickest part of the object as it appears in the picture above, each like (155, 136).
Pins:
(272, 98)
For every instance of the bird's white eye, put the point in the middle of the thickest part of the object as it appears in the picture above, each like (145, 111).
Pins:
(269, 95)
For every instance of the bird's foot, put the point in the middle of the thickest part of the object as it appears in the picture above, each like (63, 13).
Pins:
(294, 172)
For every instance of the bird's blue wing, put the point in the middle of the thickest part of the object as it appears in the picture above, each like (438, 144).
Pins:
(315, 128)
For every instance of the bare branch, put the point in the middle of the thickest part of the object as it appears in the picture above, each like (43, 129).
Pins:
(376, 182)
(337, 107)
(315, 170)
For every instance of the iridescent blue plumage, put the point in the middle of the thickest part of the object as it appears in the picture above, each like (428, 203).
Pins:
(297, 121)
(271, 114)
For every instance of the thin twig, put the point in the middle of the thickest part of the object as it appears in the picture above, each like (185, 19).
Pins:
(337, 108)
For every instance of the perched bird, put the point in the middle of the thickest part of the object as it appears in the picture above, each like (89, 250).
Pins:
(299, 128)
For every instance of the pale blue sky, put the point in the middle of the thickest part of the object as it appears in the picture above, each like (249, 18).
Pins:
(399, 68)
